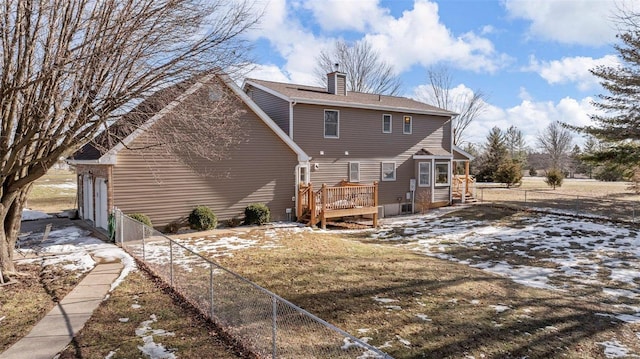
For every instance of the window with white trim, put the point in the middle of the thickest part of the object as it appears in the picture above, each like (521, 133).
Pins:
(388, 170)
(386, 124)
(331, 124)
(407, 125)
(303, 174)
(354, 171)
(442, 174)
(424, 174)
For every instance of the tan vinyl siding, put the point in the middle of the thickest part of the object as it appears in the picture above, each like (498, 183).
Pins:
(262, 169)
(441, 194)
(361, 136)
(342, 85)
(273, 106)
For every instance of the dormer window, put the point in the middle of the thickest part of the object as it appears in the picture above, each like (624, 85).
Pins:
(407, 125)
(331, 124)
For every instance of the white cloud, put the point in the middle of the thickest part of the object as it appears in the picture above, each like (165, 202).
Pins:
(458, 94)
(531, 118)
(524, 94)
(358, 15)
(418, 37)
(571, 70)
(293, 42)
(569, 22)
(268, 73)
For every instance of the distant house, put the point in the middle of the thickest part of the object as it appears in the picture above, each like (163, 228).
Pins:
(131, 172)
(404, 145)
(309, 152)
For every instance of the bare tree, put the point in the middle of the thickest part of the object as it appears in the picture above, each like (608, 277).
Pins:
(467, 106)
(555, 141)
(366, 70)
(68, 68)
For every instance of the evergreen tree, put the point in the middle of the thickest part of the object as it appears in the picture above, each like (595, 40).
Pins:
(514, 140)
(509, 172)
(617, 119)
(495, 153)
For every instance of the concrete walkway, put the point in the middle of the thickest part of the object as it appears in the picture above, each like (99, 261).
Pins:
(64, 321)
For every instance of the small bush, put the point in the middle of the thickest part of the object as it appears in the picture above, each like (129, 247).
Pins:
(202, 218)
(509, 173)
(257, 213)
(172, 227)
(143, 218)
(554, 178)
(532, 171)
(234, 222)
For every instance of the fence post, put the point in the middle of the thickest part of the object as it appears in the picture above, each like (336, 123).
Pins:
(171, 262)
(274, 328)
(577, 204)
(211, 290)
(481, 194)
(525, 197)
(144, 229)
(121, 229)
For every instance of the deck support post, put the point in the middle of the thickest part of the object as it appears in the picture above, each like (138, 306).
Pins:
(323, 218)
(375, 204)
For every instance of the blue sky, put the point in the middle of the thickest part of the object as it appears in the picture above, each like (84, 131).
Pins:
(530, 57)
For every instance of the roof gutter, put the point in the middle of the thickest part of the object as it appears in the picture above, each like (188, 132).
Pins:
(373, 107)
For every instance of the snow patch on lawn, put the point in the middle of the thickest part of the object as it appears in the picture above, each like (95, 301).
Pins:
(500, 308)
(74, 249)
(150, 348)
(29, 215)
(614, 349)
(384, 300)
(66, 185)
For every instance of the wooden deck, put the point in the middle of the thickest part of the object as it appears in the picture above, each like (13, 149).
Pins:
(346, 199)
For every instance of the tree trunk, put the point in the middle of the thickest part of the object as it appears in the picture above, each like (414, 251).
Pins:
(11, 212)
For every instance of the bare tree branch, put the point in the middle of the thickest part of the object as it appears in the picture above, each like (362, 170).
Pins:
(366, 70)
(68, 68)
(467, 106)
(555, 141)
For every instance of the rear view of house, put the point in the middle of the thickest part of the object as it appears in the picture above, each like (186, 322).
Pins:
(163, 159)
(403, 145)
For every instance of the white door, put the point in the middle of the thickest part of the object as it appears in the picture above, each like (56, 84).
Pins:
(87, 198)
(102, 215)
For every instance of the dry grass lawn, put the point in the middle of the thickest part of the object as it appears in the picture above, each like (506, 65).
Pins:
(54, 192)
(408, 304)
(24, 303)
(115, 329)
(413, 306)
(580, 196)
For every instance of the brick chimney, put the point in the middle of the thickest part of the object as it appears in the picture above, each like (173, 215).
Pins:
(337, 82)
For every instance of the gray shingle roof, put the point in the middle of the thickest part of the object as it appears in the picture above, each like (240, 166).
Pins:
(312, 94)
(129, 122)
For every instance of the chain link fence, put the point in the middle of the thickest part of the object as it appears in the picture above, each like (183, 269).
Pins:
(266, 324)
(597, 207)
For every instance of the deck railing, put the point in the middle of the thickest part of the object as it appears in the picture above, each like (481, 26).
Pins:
(346, 199)
(464, 186)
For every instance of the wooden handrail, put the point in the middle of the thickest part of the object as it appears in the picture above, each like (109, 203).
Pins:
(327, 201)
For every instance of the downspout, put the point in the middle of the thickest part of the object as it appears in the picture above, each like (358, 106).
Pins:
(297, 182)
(295, 191)
(433, 180)
(291, 104)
